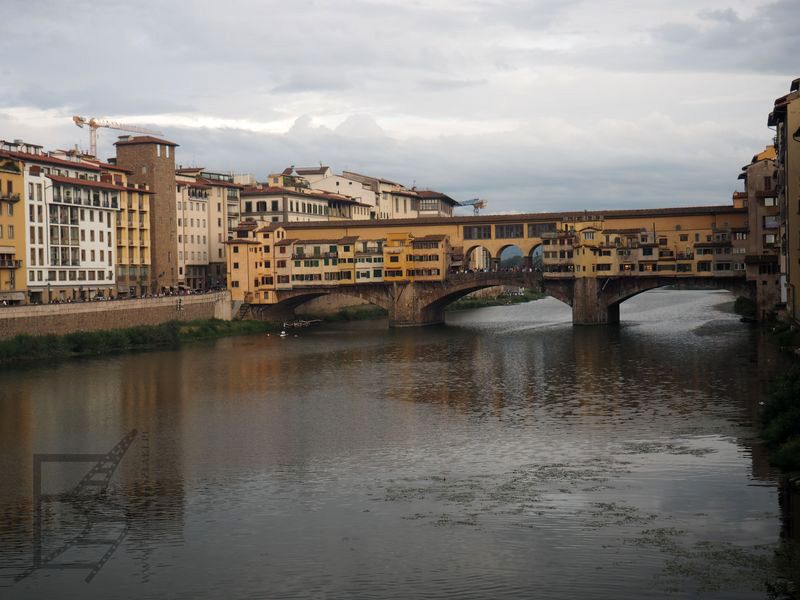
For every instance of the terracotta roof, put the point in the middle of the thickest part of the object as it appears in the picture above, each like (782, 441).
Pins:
(365, 178)
(429, 238)
(285, 242)
(431, 194)
(144, 139)
(631, 231)
(345, 240)
(311, 170)
(405, 192)
(110, 167)
(594, 215)
(242, 241)
(50, 160)
(220, 183)
(270, 191)
(96, 184)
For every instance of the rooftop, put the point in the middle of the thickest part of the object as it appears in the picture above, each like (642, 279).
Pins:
(126, 140)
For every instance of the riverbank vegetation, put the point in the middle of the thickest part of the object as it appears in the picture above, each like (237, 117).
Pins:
(780, 420)
(147, 337)
(745, 307)
(501, 300)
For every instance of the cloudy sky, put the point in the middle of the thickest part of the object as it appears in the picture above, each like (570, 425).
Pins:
(531, 104)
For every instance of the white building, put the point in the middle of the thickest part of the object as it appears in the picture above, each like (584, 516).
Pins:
(71, 227)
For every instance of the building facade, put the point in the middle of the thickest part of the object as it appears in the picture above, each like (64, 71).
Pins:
(762, 235)
(151, 162)
(785, 118)
(13, 270)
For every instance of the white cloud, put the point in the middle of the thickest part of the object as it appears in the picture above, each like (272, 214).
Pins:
(535, 104)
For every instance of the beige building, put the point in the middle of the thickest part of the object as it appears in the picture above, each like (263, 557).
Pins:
(762, 235)
(207, 205)
(785, 118)
(192, 216)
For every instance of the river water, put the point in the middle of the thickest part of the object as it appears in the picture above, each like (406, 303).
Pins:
(504, 455)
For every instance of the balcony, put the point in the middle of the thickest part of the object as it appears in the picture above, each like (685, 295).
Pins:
(10, 263)
(13, 198)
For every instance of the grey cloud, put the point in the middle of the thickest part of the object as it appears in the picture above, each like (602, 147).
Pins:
(727, 15)
(449, 84)
(470, 63)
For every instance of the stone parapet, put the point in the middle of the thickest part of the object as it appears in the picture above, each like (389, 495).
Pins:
(60, 319)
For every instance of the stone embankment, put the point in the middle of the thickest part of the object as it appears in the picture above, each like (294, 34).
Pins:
(60, 319)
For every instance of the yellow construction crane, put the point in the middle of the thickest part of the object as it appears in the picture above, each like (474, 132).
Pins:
(95, 124)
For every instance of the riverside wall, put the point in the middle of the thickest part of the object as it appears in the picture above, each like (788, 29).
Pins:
(59, 319)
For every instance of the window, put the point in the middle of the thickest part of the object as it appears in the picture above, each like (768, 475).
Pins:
(684, 237)
(508, 231)
(588, 235)
(477, 232)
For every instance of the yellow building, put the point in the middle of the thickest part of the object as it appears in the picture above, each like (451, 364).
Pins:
(133, 237)
(700, 242)
(12, 231)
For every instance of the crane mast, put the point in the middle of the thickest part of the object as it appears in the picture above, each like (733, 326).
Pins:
(95, 124)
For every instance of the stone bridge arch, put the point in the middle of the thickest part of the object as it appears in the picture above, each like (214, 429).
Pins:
(422, 303)
(597, 300)
(289, 300)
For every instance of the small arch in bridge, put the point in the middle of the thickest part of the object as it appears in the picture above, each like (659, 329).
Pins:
(511, 256)
(478, 258)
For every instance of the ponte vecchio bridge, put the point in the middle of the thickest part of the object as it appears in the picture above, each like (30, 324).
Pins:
(414, 268)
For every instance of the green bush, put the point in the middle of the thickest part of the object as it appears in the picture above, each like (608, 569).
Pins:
(787, 457)
(87, 343)
(780, 420)
(745, 307)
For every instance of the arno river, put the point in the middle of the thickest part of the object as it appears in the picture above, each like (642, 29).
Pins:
(505, 455)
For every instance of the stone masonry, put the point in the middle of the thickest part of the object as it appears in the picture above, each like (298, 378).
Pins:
(153, 162)
(59, 319)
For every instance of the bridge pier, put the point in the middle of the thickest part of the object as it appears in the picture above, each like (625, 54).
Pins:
(411, 306)
(589, 306)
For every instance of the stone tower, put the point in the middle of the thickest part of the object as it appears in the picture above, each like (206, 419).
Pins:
(152, 161)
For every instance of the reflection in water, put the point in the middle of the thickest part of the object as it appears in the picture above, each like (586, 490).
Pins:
(505, 454)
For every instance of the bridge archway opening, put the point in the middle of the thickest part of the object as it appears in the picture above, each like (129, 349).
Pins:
(316, 303)
(511, 257)
(536, 257)
(478, 258)
(729, 292)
